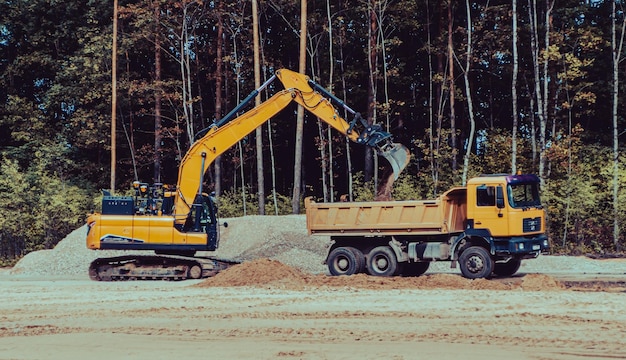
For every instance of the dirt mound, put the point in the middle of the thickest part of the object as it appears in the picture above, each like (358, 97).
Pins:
(260, 272)
(540, 282)
(274, 274)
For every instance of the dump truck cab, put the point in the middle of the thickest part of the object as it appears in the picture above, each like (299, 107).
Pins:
(507, 210)
(507, 205)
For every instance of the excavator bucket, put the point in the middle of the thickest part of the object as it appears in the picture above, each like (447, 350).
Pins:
(398, 157)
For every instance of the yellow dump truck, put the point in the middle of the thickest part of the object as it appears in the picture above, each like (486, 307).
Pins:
(488, 227)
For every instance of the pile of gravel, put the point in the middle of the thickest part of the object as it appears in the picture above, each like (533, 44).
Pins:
(280, 238)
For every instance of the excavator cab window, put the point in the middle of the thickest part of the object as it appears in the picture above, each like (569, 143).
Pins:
(202, 216)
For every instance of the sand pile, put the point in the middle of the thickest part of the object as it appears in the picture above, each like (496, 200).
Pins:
(540, 282)
(274, 274)
(260, 272)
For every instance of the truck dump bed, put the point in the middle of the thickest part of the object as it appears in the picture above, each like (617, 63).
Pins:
(444, 215)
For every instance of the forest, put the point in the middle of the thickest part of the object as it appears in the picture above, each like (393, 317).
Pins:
(97, 94)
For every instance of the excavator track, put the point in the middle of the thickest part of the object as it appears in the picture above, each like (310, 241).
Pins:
(156, 267)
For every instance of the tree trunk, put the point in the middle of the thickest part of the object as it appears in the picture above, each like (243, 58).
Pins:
(331, 69)
(259, 130)
(431, 99)
(219, 63)
(451, 88)
(157, 97)
(532, 9)
(345, 112)
(371, 87)
(514, 90)
(616, 49)
(297, 168)
(113, 98)
(468, 94)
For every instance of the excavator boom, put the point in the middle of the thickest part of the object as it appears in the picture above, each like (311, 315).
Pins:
(299, 88)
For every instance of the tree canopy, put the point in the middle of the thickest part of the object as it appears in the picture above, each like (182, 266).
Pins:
(403, 63)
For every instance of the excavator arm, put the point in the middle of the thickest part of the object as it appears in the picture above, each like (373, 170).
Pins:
(225, 133)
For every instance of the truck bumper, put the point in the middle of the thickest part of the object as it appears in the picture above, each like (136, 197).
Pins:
(522, 247)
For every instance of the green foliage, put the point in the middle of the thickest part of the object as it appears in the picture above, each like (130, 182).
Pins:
(578, 195)
(406, 187)
(39, 209)
(230, 204)
(283, 205)
(436, 163)
(362, 190)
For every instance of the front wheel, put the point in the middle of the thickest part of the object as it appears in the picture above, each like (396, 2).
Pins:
(381, 261)
(476, 263)
(508, 268)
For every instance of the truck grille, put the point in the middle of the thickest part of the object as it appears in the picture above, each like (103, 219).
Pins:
(531, 225)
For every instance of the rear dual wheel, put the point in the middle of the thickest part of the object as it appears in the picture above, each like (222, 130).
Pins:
(381, 261)
(345, 261)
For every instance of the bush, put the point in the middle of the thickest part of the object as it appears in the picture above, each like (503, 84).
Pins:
(39, 210)
(231, 204)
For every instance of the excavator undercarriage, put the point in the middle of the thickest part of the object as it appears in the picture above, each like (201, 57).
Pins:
(156, 267)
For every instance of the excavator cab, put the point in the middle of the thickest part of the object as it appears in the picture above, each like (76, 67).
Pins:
(202, 218)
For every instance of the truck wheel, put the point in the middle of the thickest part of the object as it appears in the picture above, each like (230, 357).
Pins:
(342, 261)
(381, 261)
(360, 259)
(475, 263)
(415, 269)
(508, 268)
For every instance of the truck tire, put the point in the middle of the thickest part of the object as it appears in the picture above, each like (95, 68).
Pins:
(508, 268)
(360, 259)
(381, 261)
(415, 269)
(475, 263)
(342, 261)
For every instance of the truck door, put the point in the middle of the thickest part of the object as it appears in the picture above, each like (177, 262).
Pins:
(489, 209)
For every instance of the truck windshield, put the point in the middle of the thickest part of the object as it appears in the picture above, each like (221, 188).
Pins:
(523, 195)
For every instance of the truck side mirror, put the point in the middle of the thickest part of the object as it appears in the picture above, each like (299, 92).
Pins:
(499, 198)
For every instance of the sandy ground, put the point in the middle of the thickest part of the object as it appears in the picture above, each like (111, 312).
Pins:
(555, 308)
(74, 318)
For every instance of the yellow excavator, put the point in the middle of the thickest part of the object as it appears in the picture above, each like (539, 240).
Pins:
(176, 222)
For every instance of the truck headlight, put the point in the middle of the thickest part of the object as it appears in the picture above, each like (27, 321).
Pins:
(521, 246)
